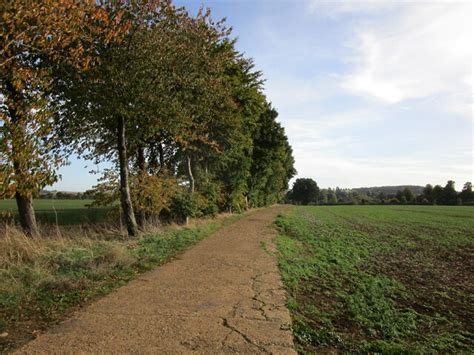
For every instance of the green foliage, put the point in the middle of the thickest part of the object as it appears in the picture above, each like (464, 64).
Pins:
(428, 192)
(201, 101)
(210, 192)
(449, 195)
(467, 194)
(306, 191)
(272, 161)
(183, 205)
(162, 95)
(355, 284)
(438, 194)
(409, 197)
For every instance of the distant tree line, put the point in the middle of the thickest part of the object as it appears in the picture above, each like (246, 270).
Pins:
(161, 94)
(64, 195)
(306, 192)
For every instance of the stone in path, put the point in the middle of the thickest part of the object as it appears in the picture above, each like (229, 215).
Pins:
(224, 295)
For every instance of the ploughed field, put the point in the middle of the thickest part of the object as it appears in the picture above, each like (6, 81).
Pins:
(62, 212)
(379, 278)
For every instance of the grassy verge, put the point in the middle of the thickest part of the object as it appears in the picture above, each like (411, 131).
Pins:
(42, 279)
(379, 278)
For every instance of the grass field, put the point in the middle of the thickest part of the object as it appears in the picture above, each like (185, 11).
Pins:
(379, 278)
(46, 204)
(64, 212)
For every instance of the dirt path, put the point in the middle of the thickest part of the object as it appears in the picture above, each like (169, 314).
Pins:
(223, 295)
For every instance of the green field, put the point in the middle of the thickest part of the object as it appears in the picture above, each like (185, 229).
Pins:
(40, 205)
(379, 278)
(64, 212)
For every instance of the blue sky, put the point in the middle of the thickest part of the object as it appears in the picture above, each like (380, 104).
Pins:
(370, 93)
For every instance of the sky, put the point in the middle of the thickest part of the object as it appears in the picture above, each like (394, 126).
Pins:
(370, 93)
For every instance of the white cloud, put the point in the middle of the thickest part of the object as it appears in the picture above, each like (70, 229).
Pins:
(334, 8)
(425, 50)
(413, 59)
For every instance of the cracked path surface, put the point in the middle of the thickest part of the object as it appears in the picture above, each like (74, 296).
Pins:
(224, 295)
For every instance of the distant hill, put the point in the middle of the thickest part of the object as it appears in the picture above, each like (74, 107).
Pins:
(387, 189)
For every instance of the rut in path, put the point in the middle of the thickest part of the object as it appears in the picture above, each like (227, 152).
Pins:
(223, 295)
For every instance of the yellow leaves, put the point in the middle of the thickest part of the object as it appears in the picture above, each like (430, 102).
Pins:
(101, 15)
(87, 63)
(152, 193)
(61, 30)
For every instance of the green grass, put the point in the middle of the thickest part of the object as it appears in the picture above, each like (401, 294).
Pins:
(46, 204)
(379, 278)
(41, 279)
(64, 212)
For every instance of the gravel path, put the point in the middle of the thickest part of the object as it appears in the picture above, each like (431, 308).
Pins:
(224, 295)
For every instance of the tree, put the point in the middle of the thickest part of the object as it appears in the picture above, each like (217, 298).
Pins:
(332, 198)
(408, 195)
(382, 196)
(449, 195)
(466, 194)
(37, 35)
(437, 194)
(428, 192)
(93, 74)
(305, 191)
(207, 120)
(272, 161)
(105, 109)
(400, 196)
(232, 166)
(323, 197)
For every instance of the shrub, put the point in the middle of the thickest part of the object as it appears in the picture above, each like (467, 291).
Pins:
(183, 205)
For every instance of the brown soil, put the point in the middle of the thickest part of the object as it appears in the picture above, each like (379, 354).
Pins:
(223, 295)
(439, 278)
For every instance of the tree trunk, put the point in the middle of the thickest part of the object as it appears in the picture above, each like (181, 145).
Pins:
(26, 213)
(191, 182)
(141, 164)
(191, 177)
(24, 202)
(125, 198)
(162, 155)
